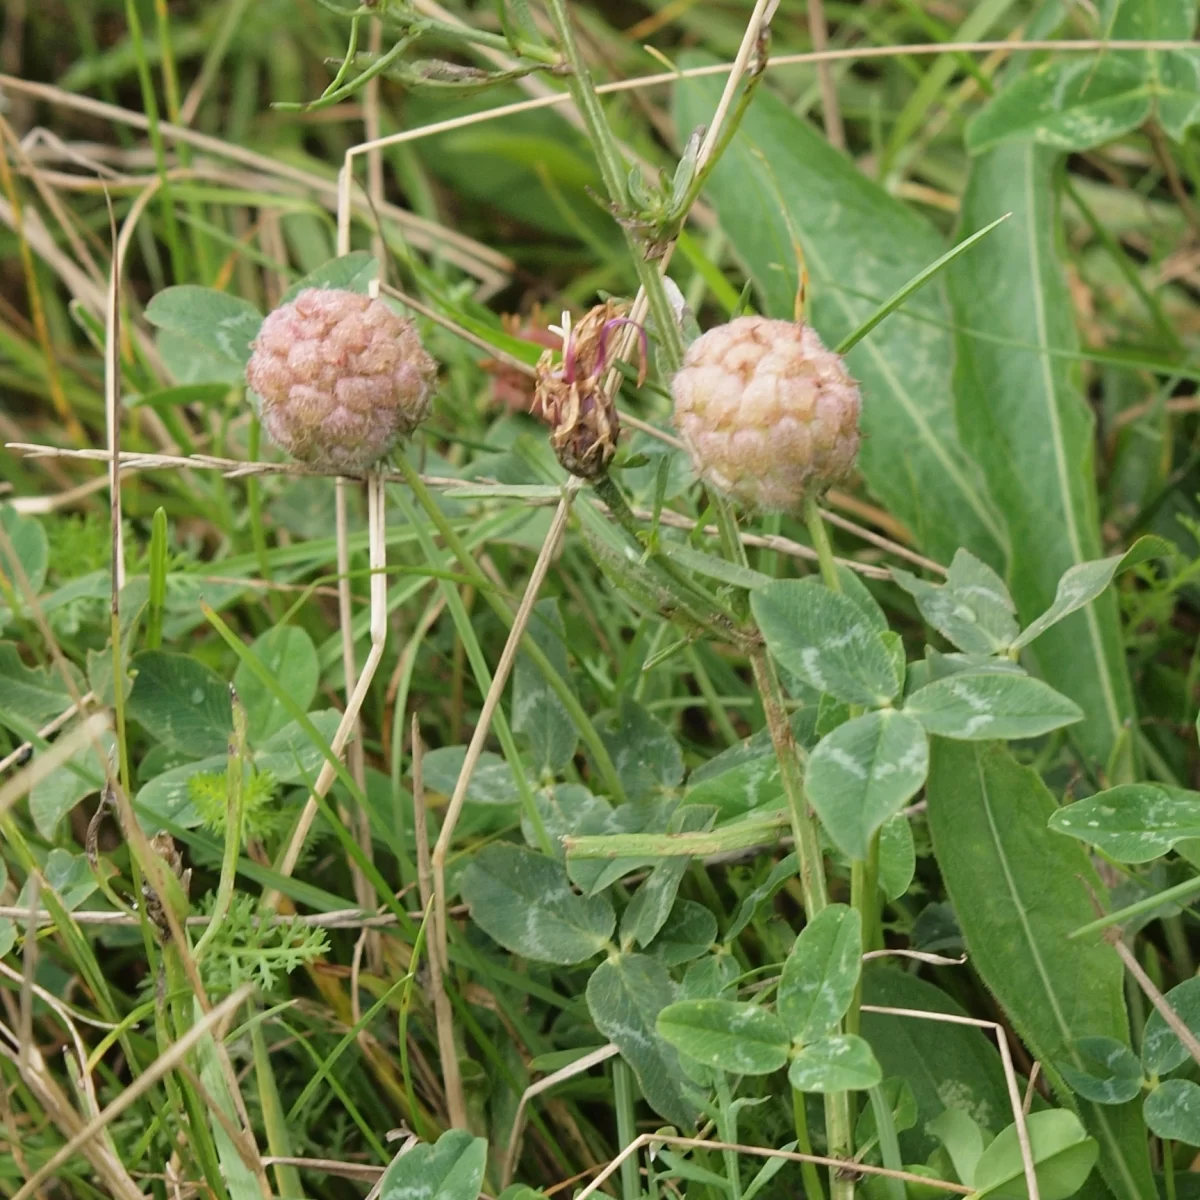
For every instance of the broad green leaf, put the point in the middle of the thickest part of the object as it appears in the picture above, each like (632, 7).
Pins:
(835, 1064)
(821, 973)
(865, 772)
(946, 1065)
(1019, 891)
(32, 549)
(1025, 420)
(823, 637)
(1173, 76)
(1063, 1157)
(68, 875)
(290, 756)
(1082, 583)
(1111, 1073)
(536, 711)
(647, 912)
(1144, 20)
(726, 1034)
(942, 666)
(221, 324)
(625, 995)
(711, 978)
(972, 608)
(31, 697)
(450, 1169)
(352, 272)
(1162, 1051)
(289, 654)
(963, 1140)
(491, 783)
(746, 775)
(53, 797)
(860, 246)
(1172, 1111)
(524, 901)
(1177, 91)
(1135, 822)
(646, 755)
(688, 932)
(983, 707)
(1070, 103)
(897, 856)
(181, 702)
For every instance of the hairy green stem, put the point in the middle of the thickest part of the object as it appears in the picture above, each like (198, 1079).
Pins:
(234, 813)
(820, 541)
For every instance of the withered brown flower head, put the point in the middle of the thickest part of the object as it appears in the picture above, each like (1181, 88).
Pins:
(569, 393)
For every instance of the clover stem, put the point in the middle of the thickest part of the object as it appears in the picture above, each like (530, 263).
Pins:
(820, 541)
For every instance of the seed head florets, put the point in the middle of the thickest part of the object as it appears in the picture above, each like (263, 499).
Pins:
(768, 414)
(341, 378)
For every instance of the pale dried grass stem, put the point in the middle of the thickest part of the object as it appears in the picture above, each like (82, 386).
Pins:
(377, 540)
(499, 681)
(535, 1089)
(1010, 1077)
(452, 1084)
(209, 1025)
(818, 30)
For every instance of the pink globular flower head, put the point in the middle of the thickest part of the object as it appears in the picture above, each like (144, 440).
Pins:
(341, 378)
(768, 414)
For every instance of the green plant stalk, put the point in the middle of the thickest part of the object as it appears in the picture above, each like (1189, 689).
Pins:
(1169, 895)
(690, 593)
(258, 536)
(1168, 1161)
(889, 1144)
(739, 836)
(158, 580)
(119, 698)
(808, 1171)
(419, 1118)
(170, 77)
(587, 731)
(727, 1131)
(235, 776)
(623, 1099)
(717, 710)
(820, 541)
(279, 1142)
(612, 171)
(179, 263)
